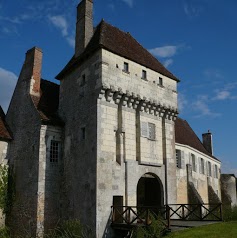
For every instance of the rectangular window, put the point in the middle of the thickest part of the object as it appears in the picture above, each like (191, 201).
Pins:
(83, 80)
(83, 133)
(193, 162)
(215, 171)
(54, 151)
(152, 131)
(160, 81)
(144, 74)
(125, 67)
(178, 158)
(209, 169)
(148, 130)
(202, 166)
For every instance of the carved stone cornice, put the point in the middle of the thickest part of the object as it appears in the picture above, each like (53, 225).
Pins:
(135, 101)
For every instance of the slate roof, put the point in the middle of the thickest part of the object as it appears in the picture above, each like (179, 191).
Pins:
(4, 130)
(185, 135)
(121, 43)
(47, 104)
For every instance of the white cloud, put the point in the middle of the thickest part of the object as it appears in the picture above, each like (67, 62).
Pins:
(168, 62)
(7, 84)
(182, 102)
(222, 95)
(226, 92)
(165, 51)
(61, 23)
(202, 107)
(213, 74)
(71, 41)
(192, 10)
(129, 2)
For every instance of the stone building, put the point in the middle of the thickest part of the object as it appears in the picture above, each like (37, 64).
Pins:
(198, 171)
(108, 135)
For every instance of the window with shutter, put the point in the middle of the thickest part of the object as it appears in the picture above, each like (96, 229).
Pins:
(193, 160)
(148, 130)
(201, 166)
(152, 131)
(144, 129)
(182, 160)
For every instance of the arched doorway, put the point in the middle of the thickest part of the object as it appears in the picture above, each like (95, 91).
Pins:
(150, 191)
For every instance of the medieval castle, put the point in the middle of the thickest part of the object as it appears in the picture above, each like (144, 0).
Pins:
(107, 135)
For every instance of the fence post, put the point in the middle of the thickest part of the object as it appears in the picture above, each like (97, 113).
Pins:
(221, 212)
(168, 216)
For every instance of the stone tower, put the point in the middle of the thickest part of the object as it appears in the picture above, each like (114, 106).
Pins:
(119, 105)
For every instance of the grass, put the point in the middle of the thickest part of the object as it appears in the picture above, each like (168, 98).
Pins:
(223, 230)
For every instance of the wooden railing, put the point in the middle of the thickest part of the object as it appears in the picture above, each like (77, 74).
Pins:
(196, 212)
(139, 216)
(143, 216)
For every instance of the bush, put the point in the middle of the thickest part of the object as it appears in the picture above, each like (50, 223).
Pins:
(154, 230)
(4, 232)
(71, 229)
(229, 214)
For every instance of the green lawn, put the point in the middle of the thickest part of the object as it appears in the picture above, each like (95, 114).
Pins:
(222, 230)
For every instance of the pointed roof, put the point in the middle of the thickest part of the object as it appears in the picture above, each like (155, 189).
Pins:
(47, 103)
(4, 130)
(121, 43)
(185, 135)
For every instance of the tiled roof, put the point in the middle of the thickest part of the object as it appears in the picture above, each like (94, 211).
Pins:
(121, 43)
(185, 135)
(4, 131)
(47, 104)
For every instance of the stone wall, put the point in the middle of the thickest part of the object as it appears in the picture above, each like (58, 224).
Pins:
(78, 109)
(3, 152)
(124, 154)
(229, 189)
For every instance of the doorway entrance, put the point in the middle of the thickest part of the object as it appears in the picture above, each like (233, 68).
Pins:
(150, 191)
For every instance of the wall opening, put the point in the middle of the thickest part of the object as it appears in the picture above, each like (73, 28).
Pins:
(150, 191)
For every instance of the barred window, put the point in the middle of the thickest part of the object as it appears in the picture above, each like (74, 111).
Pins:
(178, 158)
(54, 151)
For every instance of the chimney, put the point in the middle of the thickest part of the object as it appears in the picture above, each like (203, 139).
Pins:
(207, 141)
(84, 26)
(32, 69)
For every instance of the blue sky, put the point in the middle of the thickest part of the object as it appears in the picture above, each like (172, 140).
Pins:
(194, 39)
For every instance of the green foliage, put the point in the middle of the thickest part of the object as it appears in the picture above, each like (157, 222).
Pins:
(3, 186)
(222, 229)
(229, 214)
(4, 232)
(70, 229)
(153, 230)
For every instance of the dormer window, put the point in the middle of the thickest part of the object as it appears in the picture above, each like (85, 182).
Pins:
(126, 67)
(144, 75)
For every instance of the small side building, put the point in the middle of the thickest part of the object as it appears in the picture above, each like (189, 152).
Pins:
(198, 171)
